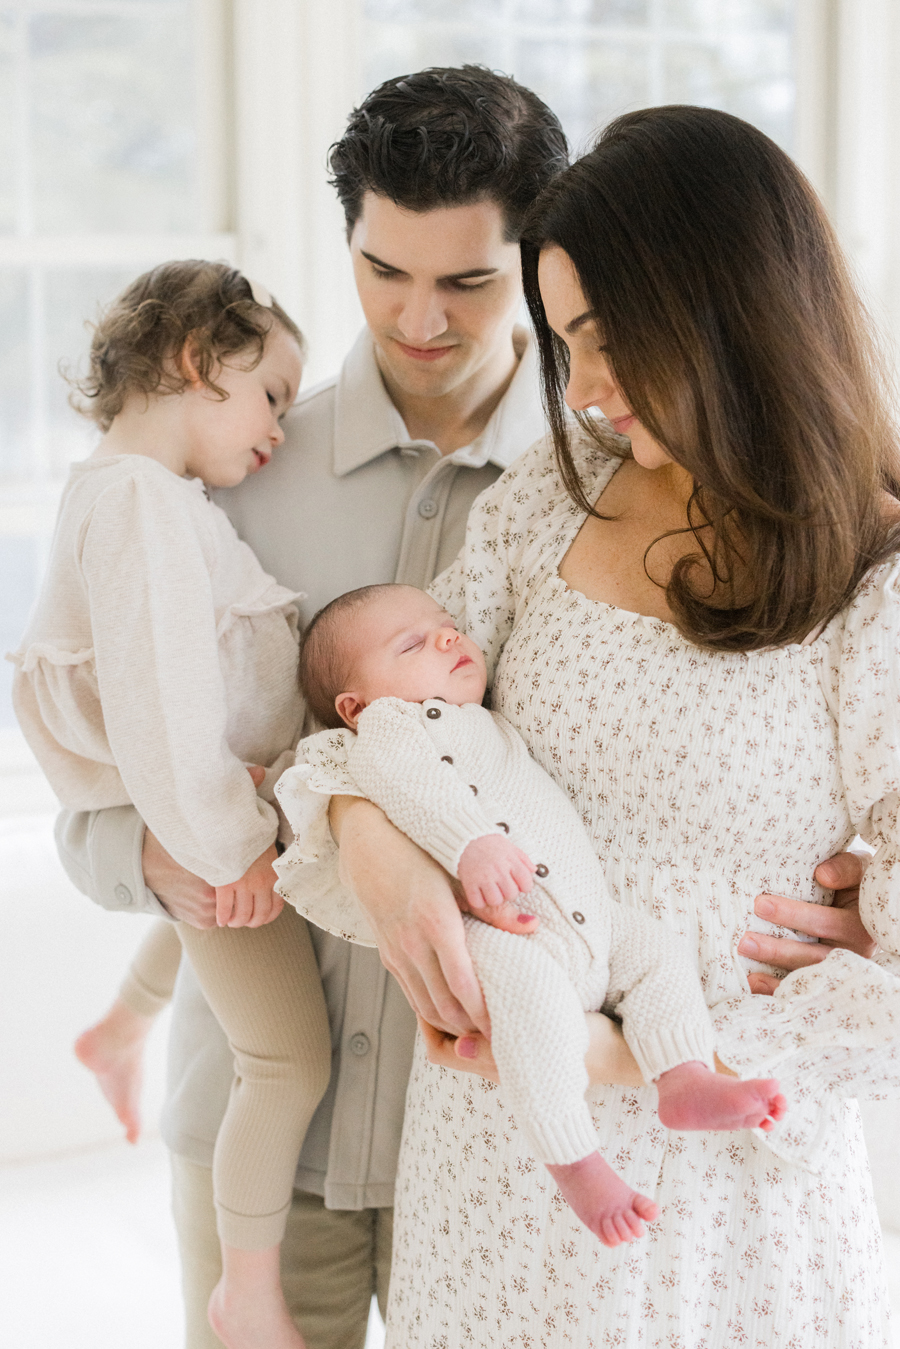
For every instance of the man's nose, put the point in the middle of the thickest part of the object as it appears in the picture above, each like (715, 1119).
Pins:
(422, 317)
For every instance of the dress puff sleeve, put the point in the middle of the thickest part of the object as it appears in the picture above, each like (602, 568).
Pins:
(832, 1030)
(308, 875)
(868, 685)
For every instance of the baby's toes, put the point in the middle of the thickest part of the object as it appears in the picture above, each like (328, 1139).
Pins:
(645, 1208)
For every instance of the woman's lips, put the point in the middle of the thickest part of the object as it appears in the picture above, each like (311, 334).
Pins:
(423, 353)
(622, 425)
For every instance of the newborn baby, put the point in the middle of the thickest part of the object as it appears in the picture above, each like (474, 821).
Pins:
(388, 666)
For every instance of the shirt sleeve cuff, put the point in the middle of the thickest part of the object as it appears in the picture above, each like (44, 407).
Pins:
(101, 853)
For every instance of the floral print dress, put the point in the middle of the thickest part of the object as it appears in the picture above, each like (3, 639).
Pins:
(703, 778)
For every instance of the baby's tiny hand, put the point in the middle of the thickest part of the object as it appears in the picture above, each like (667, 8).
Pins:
(493, 870)
(250, 901)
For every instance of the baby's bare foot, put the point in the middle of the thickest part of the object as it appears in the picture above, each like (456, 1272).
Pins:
(114, 1052)
(693, 1097)
(605, 1204)
(252, 1322)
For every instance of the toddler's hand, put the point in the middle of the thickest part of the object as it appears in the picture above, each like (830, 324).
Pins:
(493, 870)
(250, 901)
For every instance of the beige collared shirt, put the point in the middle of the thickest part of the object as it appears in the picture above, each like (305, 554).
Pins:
(349, 500)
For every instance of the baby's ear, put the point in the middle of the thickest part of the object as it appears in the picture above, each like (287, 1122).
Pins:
(349, 708)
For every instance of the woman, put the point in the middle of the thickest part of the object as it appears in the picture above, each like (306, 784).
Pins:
(679, 627)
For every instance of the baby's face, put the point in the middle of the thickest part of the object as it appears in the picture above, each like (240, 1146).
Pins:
(406, 646)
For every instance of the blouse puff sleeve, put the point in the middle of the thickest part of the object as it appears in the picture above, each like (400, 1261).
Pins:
(832, 1030)
(501, 562)
(160, 680)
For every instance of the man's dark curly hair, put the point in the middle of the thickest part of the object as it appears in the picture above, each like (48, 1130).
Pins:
(449, 136)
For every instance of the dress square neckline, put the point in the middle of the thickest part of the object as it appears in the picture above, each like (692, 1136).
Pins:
(663, 626)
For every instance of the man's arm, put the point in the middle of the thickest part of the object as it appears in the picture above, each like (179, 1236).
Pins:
(113, 859)
(836, 925)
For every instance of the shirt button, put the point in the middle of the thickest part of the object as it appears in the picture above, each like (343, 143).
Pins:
(473, 789)
(445, 758)
(428, 509)
(501, 824)
(433, 713)
(541, 870)
(359, 1044)
(123, 894)
(579, 917)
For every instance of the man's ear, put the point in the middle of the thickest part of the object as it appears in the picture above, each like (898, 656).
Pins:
(349, 707)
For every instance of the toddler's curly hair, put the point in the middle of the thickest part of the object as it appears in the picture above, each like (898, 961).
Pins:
(139, 338)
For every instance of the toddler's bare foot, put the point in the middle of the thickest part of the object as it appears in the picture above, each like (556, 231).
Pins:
(693, 1097)
(605, 1204)
(247, 1310)
(114, 1052)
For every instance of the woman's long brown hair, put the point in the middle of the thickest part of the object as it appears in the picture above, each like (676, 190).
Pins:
(736, 336)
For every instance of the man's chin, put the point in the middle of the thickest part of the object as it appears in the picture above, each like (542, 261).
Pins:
(432, 379)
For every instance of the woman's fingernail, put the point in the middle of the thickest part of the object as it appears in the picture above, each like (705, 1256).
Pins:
(749, 946)
(765, 907)
(525, 918)
(466, 1047)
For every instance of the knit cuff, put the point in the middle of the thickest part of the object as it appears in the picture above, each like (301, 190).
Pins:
(563, 1139)
(449, 840)
(658, 1051)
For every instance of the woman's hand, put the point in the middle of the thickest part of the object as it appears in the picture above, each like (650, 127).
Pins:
(415, 913)
(837, 925)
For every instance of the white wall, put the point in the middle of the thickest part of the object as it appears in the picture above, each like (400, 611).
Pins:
(61, 959)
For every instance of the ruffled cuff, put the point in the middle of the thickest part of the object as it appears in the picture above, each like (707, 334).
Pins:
(308, 876)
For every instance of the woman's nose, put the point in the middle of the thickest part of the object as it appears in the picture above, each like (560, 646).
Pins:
(590, 385)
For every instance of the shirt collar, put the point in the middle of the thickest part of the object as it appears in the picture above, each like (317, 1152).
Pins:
(366, 423)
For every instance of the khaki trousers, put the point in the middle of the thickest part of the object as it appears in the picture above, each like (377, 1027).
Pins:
(332, 1261)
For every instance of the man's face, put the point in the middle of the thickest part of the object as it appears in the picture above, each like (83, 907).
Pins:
(440, 290)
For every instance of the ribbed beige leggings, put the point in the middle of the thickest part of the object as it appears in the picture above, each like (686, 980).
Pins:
(263, 986)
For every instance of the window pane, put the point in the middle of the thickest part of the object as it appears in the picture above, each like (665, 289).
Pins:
(729, 16)
(749, 76)
(74, 300)
(612, 12)
(396, 49)
(455, 10)
(113, 121)
(14, 380)
(18, 587)
(586, 83)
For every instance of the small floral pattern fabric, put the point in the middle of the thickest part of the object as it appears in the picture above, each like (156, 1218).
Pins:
(703, 779)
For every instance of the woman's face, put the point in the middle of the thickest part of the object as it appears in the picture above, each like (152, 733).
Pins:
(591, 382)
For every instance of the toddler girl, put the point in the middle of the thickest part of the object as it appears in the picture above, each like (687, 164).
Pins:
(388, 663)
(159, 661)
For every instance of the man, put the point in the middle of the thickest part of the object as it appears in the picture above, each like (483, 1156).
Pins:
(374, 483)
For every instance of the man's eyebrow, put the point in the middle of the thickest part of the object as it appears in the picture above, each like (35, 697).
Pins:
(469, 275)
(587, 317)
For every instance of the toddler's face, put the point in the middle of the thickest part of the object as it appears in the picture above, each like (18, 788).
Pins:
(229, 438)
(406, 646)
